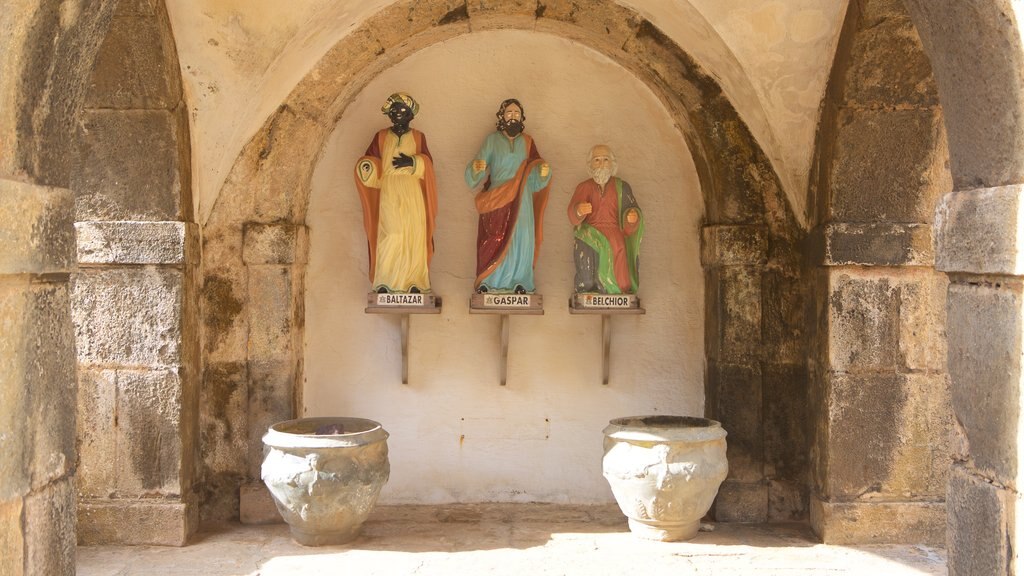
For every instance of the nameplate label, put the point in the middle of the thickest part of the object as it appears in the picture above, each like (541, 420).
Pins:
(507, 300)
(607, 300)
(401, 300)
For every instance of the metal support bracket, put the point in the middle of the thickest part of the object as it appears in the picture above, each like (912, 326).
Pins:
(575, 307)
(430, 305)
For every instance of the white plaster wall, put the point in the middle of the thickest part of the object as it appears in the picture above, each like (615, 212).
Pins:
(456, 435)
(241, 58)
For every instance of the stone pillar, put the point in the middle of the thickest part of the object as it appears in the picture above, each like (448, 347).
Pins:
(135, 298)
(37, 381)
(134, 311)
(979, 246)
(274, 256)
(880, 392)
(880, 445)
(733, 257)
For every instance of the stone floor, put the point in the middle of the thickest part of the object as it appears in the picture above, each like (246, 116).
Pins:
(524, 540)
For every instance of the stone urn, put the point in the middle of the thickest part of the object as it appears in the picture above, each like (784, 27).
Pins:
(664, 472)
(325, 475)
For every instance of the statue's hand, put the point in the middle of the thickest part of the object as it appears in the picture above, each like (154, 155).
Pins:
(479, 166)
(402, 160)
(545, 169)
(632, 216)
(584, 208)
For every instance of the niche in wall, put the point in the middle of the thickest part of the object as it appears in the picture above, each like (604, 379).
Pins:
(456, 435)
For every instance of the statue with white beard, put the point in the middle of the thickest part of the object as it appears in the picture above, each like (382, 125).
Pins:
(608, 229)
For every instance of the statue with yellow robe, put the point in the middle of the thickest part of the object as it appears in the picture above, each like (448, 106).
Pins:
(395, 180)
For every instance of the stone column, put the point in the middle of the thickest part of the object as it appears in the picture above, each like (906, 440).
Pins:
(134, 310)
(979, 246)
(274, 256)
(734, 257)
(880, 391)
(135, 298)
(37, 381)
(880, 446)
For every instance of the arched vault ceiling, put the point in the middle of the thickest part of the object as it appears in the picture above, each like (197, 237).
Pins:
(241, 58)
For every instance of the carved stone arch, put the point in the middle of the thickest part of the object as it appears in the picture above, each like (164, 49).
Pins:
(255, 247)
(977, 54)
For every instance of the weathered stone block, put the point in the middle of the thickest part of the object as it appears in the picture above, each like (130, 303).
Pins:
(271, 400)
(150, 454)
(282, 189)
(978, 525)
(137, 242)
(786, 428)
(136, 8)
(886, 319)
(257, 506)
(224, 407)
(887, 438)
(271, 305)
(879, 523)
(606, 24)
(48, 52)
(12, 537)
(985, 327)
(151, 522)
(978, 231)
(37, 382)
(36, 229)
(225, 317)
(97, 433)
(741, 502)
(888, 65)
(888, 166)
(270, 243)
(354, 55)
(738, 402)
(144, 329)
(735, 292)
(491, 14)
(975, 56)
(881, 244)
(787, 501)
(136, 67)
(733, 246)
(783, 310)
(398, 23)
(50, 529)
(131, 166)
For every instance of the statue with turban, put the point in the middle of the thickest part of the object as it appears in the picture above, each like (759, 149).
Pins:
(395, 180)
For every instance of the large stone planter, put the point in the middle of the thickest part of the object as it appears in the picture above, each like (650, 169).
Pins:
(664, 472)
(325, 484)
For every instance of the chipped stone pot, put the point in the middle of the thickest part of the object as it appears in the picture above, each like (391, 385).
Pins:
(664, 472)
(325, 475)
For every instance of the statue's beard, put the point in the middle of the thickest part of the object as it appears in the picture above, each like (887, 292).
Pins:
(601, 175)
(512, 127)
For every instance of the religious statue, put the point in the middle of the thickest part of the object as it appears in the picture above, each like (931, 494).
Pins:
(395, 179)
(511, 204)
(608, 229)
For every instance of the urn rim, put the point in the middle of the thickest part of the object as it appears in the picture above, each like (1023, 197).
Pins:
(300, 433)
(661, 427)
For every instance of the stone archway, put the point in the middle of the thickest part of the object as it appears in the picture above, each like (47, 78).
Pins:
(976, 52)
(48, 49)
(255, 248)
